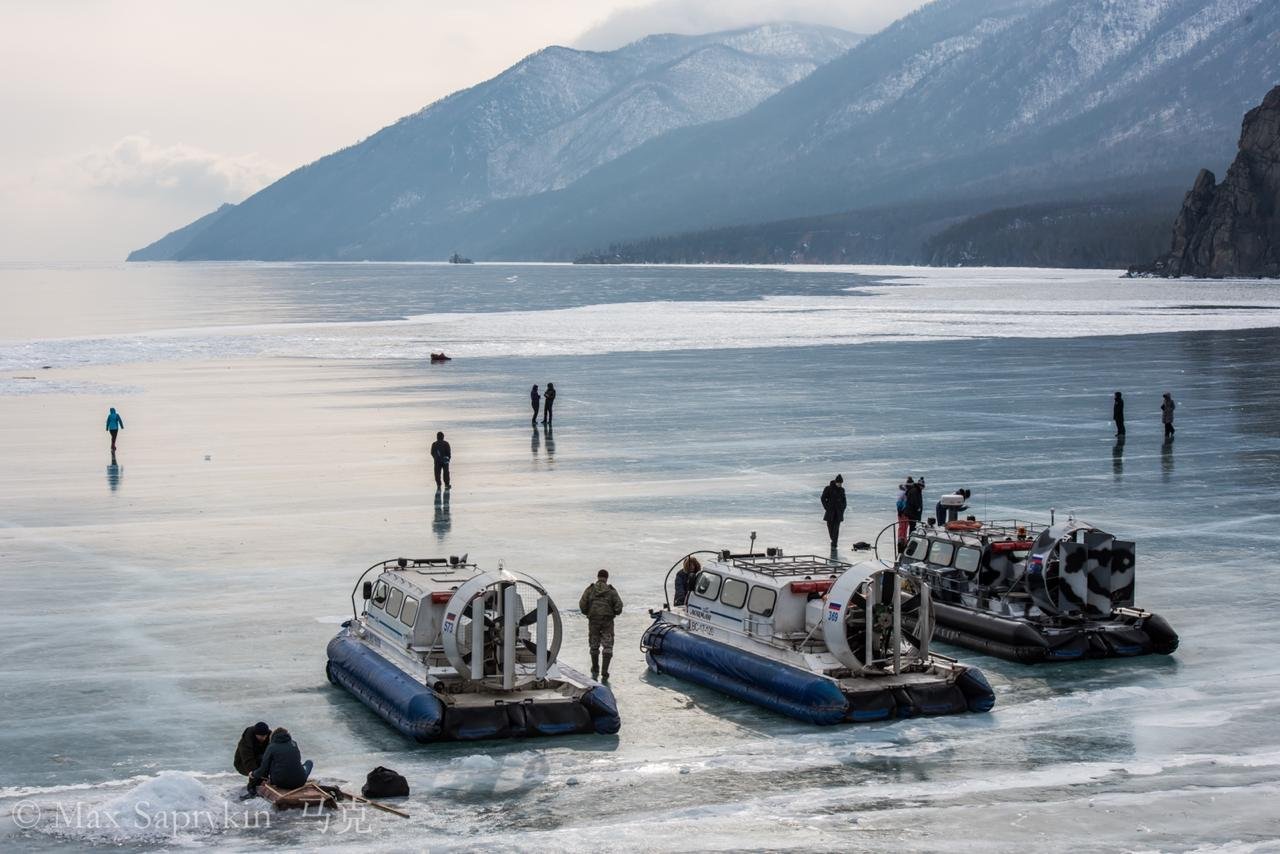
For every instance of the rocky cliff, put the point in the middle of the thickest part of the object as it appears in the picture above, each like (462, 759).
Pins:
(1233, 228)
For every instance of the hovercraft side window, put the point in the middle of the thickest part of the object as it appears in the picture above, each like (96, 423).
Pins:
(915, 548)
(708, 585)
(393, 602)
(762, 601)
(940, 553)
(410, 611)
(735, 592)
(967, 559)
(379, 594)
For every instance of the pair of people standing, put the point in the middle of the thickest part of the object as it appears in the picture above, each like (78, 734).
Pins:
(547, 400)
(1166, 414)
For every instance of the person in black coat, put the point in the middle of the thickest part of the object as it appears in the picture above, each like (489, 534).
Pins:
(253, 743)
(1117, 414)
(441, 453)
(915, 504)
(833, 506)
(282, 764)
(548, 398)
(535, 398)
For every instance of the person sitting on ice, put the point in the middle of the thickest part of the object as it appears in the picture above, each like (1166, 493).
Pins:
(282, 764)
(253, 743)
(685, 578)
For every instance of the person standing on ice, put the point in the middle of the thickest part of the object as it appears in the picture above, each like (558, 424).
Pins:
(1166, 415)
(601, 604)
(535, 398)
(833, 507)
(548, 398)
(1117, 414)
(441, 454)
(115, 424)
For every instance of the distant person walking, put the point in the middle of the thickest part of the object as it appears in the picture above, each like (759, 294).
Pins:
(548, 398)
(535, 398)
(601, 604)
(833, 507)
(1117, 414)
(114, 425)
(1166, 414)
(441, 453)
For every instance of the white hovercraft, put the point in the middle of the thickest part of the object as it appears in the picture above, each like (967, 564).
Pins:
(814, 638)
(444, 651)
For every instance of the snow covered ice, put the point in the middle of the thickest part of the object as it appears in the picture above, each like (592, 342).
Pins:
(277, 421)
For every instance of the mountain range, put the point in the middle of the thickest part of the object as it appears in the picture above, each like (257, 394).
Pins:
(964, 106)
(537, 127)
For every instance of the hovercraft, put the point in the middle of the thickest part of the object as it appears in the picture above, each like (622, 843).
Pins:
(443, 651)
(813, 638)
(1032, 594)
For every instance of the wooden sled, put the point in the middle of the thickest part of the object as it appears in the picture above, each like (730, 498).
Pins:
(307, 796)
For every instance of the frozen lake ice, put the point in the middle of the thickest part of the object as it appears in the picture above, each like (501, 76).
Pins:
(277, 420)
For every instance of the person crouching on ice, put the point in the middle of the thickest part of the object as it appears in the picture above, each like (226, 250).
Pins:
(253, 743)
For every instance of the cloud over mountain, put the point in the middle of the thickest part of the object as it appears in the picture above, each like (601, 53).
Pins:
(705, 16)
(136, 165)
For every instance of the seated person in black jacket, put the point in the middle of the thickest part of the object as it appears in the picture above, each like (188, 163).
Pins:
(253, 743)
(282, 764)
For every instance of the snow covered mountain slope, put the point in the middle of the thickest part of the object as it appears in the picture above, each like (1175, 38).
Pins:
(538, 126)
(961, 99)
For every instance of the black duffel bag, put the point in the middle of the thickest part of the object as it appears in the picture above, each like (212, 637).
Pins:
(385, 783)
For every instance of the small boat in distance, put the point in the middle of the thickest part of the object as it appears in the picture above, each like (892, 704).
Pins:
(456, 258)
(813, 638)
(444, 651)
(1030, 593)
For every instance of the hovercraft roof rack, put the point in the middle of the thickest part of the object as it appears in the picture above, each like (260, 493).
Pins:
(776, 565)
(428, 564)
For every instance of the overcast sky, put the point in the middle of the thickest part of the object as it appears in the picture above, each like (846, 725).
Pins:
(124, 119)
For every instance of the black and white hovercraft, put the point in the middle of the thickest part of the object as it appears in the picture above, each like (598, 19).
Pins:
(810, 637)
(444, 651)
(1031, 593)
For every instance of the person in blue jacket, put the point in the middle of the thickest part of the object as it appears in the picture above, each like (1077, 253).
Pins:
(114, 425)
(282, 764)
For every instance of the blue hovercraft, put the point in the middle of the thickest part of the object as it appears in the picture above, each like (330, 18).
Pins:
(443, 651)
(813, 638)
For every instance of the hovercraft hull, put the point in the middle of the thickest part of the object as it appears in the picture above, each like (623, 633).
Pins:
(1023, 641)
(421, 714)
(802, 694)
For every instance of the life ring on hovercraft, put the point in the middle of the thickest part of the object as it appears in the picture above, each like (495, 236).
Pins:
(964, 525)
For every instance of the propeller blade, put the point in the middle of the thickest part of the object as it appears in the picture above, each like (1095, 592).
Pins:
(531, 617)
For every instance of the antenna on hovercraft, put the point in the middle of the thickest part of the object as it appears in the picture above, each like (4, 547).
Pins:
(751, 549)
(1051, 522)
